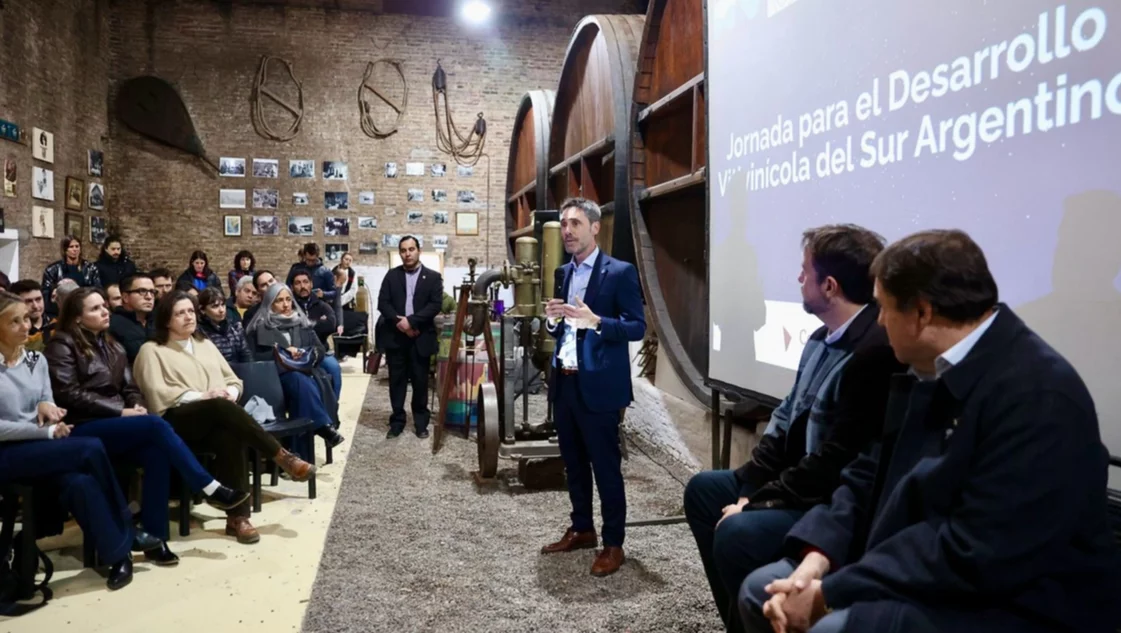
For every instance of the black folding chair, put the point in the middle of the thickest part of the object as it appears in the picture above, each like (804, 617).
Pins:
(262, 379)
(26, 554)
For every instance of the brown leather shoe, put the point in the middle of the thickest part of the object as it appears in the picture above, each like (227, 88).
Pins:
(608, 561)
(297, 469)
(572, 541)
(242, 529)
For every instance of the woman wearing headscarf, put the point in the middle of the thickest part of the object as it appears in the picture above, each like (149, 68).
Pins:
(199, 274)
(281, 331)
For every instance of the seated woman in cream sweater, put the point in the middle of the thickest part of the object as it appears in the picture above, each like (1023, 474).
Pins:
(185, 379)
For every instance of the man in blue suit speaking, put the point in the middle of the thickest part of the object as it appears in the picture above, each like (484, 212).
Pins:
(597, 312)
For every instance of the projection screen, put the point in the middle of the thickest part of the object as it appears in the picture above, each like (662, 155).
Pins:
(1001, 118)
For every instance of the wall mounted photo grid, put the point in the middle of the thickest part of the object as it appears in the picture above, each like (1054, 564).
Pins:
(367, 248)
(10, 177)
(42, 183)
(414, 169)
(301, 168)
(266, 198)
(231, 198)
(231, 167)
(367, 222)
(75, 225)
(95, 163)
(42, 145)
(415, 217)
(301, 225)
(465, 196)
(299, 198)
(416, 195)
(75, 190)
(333, 252)
(467, 223)
(99, 229)
(390, 240)
(365, 197)
(334, 226)
(232, 226)
(96, 197)
(464, 170)
(334, 170)
(336, 200)
(440, 242)
(42, 222)
(391, 170)
(439, 195)
(266, 168)
(438, 170)
(440, 217)
(266, 225)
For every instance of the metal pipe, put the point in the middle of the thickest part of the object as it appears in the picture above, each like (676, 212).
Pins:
(479, 304)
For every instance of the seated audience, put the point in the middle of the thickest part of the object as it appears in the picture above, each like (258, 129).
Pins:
(244, 266)
(834, 410)
(30, 292)
(185, 379)
(281, 323)
(114, 264)
(244, 298)
(348, 288)
(262, 279)
(163, 281)
(226, 333)
(92, 382)
(186, 286)
(322, 280)
(36, 447)
(71, 266)
(132, 324)
(983, 507)
(198, 273)
(320, 313)
(113, 294)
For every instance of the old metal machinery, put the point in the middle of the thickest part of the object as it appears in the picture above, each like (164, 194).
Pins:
(466, 150)
(365, 112)
(261, 89)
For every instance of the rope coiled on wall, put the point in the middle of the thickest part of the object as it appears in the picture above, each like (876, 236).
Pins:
(466, 150)
(369, 126)
(260, 89)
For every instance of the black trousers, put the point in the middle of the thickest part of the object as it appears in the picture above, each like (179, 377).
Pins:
(408, 367)
(225, 429)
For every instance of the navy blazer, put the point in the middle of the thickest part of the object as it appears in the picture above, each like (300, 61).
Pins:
(603, 359)
(983, 508)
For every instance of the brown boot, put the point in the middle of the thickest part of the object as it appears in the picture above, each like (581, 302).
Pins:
(240, 527)
(571, 541)
(297, 469)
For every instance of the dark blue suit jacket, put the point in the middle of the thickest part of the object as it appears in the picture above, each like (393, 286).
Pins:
(614, 295)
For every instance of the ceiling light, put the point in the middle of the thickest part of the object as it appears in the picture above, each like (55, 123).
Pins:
(476, 11)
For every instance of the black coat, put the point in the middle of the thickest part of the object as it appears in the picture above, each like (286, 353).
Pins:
(428, 298)
(323, 314)
(188, 277)
(129, 333)
(849, 411)
(229, 337)
(112, 272)
(983, 508)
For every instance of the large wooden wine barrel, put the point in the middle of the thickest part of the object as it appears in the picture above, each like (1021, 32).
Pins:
(527, 171)
(669, 184)
(590, 147)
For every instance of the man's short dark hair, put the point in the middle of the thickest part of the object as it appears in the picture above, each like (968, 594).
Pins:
(944, 267)
(24, 286)
(311, 248)
(407, 238)
(257, 276)
(301, 272)
(845, 253)
(128, 282)
(160, 272)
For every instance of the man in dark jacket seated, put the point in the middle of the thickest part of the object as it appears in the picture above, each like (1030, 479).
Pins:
(834, 411)
(319, 312)
(132, 323)
(983, 507)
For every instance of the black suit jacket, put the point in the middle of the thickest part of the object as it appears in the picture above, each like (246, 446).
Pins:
(428, 297)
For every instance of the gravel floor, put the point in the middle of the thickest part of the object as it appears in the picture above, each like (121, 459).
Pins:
(415, 545)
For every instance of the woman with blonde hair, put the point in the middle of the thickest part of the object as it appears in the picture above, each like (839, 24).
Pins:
(185, 379)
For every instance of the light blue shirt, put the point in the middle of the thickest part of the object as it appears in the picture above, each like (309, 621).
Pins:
(410, 289)
(958, 352)
(581, 276)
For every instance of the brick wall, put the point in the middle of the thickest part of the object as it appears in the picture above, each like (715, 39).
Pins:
(167, 203)
(55, 60)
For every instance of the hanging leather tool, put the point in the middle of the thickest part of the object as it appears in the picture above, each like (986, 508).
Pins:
(466, 150)
(369, 126)
(260, 89)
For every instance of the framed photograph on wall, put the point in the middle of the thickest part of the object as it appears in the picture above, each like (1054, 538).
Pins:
(99, 230)
(42, 183)
(96, 197)
(75, 225)
(95, 163)
(467, 223)
(75, 188)
(42, 145)
(232, 226)
(42, 222)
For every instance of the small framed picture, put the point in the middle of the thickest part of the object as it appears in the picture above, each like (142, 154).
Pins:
(231, 167)
(42, 222)
(467, 223)
(99, 230)
(42, 183)
(96, 163)
(75, 225)
(75, 189)
(96, 197)
(42, 146)
(232, 226)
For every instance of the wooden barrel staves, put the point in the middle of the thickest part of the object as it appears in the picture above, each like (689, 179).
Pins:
(669, 184)
(589, 147)
(527, 170)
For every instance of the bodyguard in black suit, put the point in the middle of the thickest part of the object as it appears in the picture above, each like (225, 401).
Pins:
(409, 300)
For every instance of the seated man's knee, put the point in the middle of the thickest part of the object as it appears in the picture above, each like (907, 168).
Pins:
(697, 491)
(753, 593)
